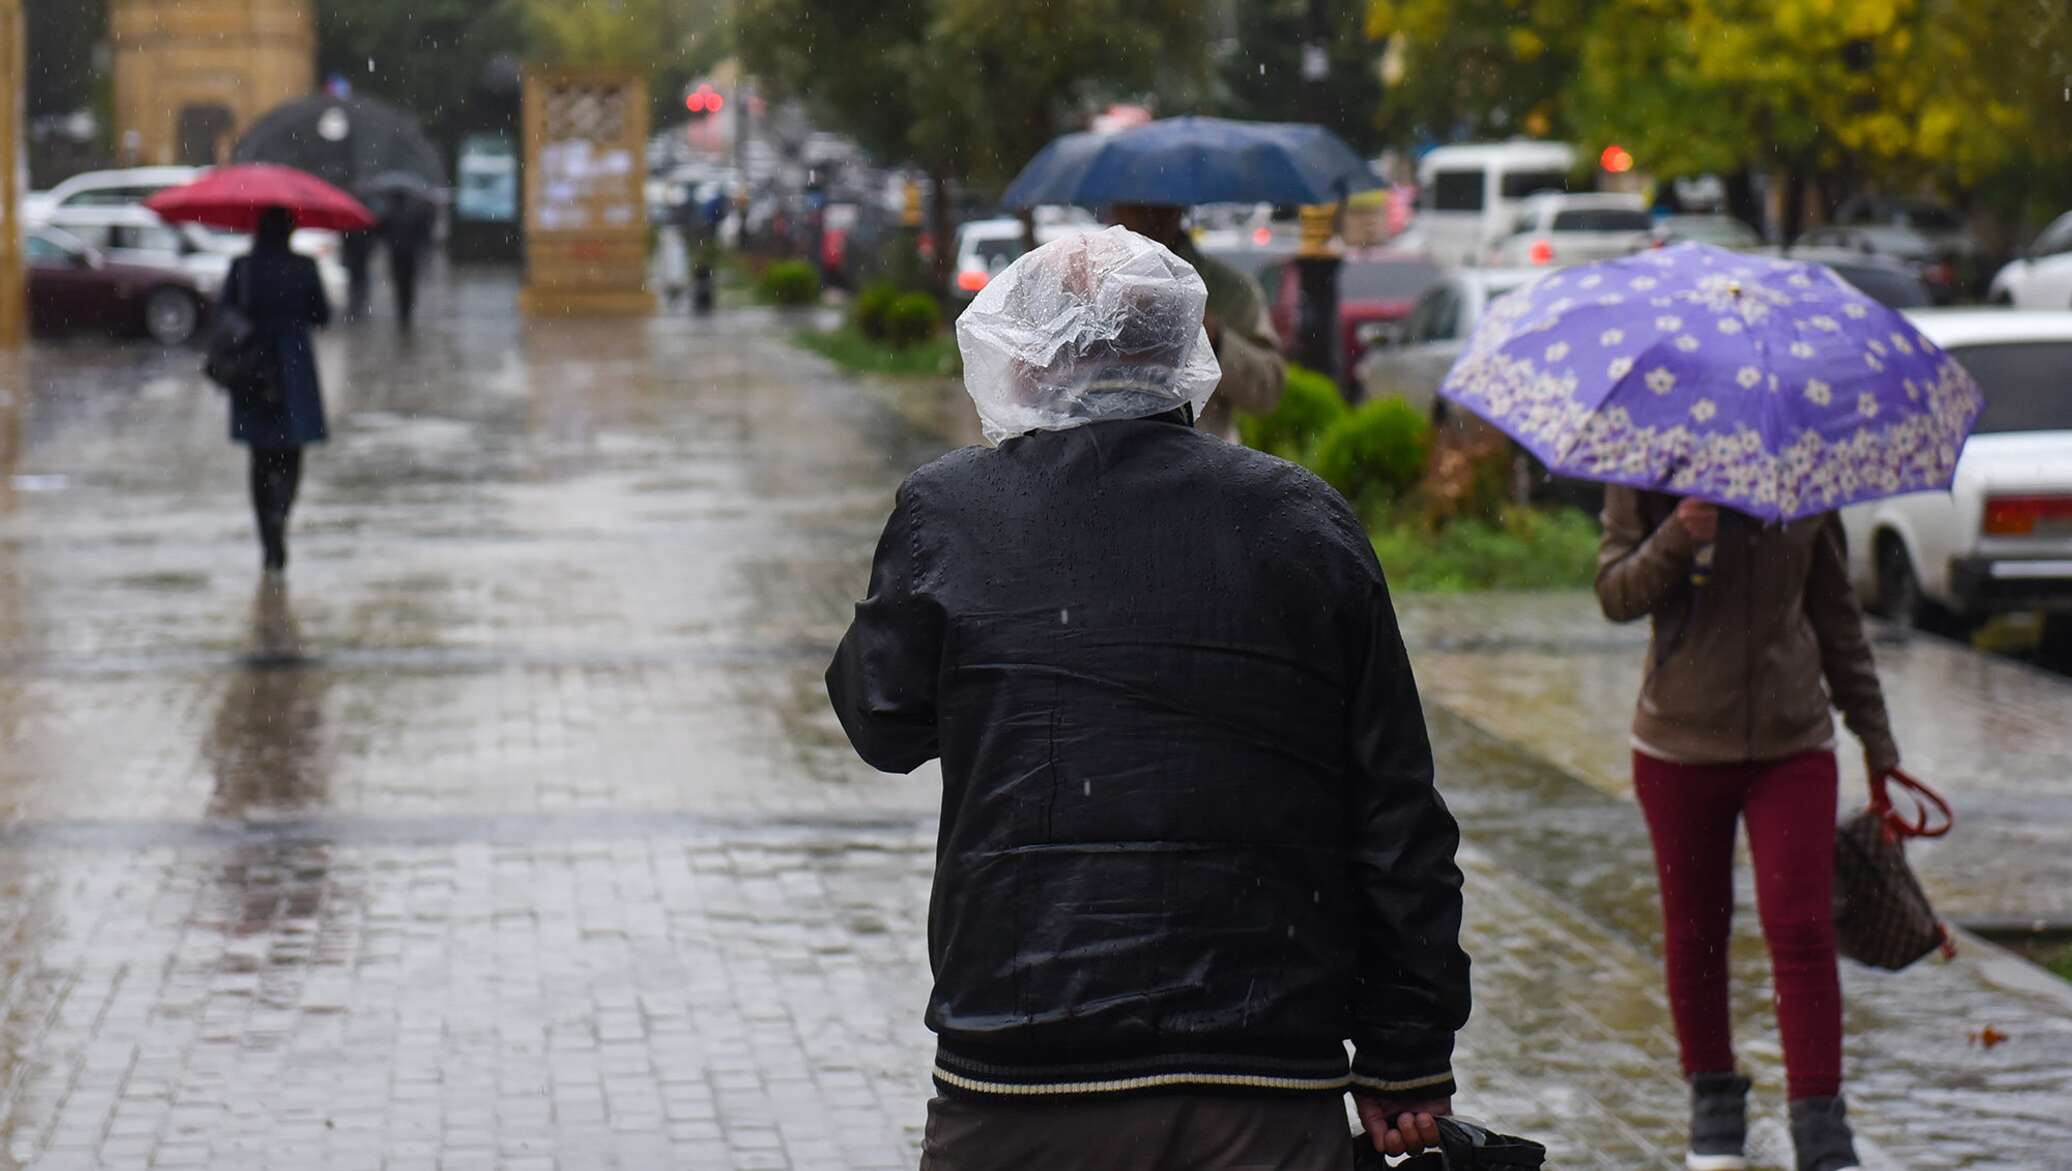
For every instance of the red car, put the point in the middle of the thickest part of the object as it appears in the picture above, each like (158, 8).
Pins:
(1375, 290)
(72, 287)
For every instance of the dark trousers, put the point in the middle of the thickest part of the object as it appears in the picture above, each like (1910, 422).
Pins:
(1789, 808)
(1164, 1132)
(276, 474)
(357, 254)
(402, 264)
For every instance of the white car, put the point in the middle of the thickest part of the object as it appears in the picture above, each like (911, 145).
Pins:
(1554, 230)
(1469, 195)
(129, 234)
(2042, 278)
(1413, 362)
(984, 247)
(2001, 538)
(119, 188)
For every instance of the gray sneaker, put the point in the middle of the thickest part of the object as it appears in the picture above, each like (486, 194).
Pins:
(1719, 1123)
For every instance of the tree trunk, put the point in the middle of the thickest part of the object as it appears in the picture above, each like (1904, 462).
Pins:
(1742, 203)
(940, 230)
(1028, 217)
(1794, 204)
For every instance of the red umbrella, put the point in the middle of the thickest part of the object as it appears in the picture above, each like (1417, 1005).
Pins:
(233, 197)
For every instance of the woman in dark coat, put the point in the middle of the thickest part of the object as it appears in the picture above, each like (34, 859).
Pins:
(278, 289)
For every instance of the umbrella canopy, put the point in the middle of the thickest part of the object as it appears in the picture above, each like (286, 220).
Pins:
(1767, 386)
(345, 141)
(232, 197)
(404, 184)
(1187, 161)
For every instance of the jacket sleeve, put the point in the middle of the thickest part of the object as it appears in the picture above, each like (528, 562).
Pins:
(1410, 988)
(1253, 369)
(883, 678)
(1845, 652)
(1638, 570)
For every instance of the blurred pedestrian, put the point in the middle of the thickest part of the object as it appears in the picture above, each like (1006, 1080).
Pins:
(356, 253)
(1753, 641)
(1190, 842)
(280, 291)
(406, 230)
(1239, 321)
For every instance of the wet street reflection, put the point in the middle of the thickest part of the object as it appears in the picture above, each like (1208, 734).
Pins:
(511, 829)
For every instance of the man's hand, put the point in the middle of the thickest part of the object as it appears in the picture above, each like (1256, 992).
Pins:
(1698, 518)
(1401, 1126)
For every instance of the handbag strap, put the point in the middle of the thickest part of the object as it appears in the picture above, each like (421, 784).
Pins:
(1932, 814)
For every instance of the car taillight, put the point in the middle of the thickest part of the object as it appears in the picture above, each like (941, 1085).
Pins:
(971, 280)
(2018, 516)
(1939, 274)
(1541, 252)
(1262, 236)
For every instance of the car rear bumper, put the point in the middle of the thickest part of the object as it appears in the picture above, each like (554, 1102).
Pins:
(1988, 585)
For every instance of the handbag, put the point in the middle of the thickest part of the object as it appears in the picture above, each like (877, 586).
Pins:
(1882, 916)
(1463, 1146)
(238, 359)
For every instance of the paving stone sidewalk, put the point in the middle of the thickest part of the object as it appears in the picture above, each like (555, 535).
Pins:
(515, 832)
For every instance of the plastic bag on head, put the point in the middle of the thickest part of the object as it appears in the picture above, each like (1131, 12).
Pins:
(1104, 325)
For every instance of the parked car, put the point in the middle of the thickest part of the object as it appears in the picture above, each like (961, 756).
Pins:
(1934, 240)
(1376, 290)
(1414, 361)
(1470, 195)
(117, 188)
(2042, 277)
(1890, 282)
(1554, 230)
(2001, 538)
(1722, 231)
(73, 287)
(985, 247)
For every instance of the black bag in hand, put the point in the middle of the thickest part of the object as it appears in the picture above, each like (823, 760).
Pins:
(239, 360)
(1463, 1146)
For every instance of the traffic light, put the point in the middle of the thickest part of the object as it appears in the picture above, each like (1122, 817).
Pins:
(703, 101)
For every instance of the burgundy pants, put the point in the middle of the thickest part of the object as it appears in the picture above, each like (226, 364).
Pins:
(1789, 807)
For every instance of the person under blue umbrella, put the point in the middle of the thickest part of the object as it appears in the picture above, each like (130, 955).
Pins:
(1239, 323)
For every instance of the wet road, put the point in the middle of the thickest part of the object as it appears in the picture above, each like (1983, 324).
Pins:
(514, 830)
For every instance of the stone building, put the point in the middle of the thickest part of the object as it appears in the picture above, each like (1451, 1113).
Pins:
(190, 75)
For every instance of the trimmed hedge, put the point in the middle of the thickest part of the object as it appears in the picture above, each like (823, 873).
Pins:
(789, 282)
(1375, 453)
(1309, 405)
(869, 310)
(911, 319)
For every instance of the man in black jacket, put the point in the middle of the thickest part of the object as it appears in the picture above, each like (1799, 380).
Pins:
(1190, 843)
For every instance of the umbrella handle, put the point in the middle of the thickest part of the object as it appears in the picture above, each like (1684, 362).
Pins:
(1701, 566)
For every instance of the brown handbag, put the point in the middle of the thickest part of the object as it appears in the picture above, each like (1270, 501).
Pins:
(1882, 916)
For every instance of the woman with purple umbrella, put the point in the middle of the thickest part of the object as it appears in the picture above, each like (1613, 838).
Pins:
(1732, 403)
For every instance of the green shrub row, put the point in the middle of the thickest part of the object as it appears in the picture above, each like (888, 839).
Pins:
(885, 313)
(789, 283)
(1373, 454)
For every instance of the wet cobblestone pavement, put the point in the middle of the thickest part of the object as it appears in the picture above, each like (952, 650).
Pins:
(515, 833)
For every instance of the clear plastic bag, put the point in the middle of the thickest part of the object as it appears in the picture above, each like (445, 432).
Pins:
(1105, 325)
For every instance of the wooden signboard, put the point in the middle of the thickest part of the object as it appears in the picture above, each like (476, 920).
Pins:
(585, 207)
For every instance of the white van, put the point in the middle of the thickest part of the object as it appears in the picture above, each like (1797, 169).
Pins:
(1469, 196)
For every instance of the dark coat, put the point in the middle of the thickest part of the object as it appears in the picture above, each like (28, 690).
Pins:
(283, 295)
(1189, 830)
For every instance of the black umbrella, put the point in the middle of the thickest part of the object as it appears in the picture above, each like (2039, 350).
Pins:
(347, 141)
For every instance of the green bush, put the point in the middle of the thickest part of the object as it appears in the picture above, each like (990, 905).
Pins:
(1309, 405)
(912, 319)
(871, 307)
(1375, 453)
(789, 282)
(1523, 549)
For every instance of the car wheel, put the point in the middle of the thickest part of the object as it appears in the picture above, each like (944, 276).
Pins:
(1899, 589)
(171, 316)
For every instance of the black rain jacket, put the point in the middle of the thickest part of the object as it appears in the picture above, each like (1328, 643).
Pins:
(1189, 831)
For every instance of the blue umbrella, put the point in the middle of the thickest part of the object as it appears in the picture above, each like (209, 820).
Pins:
(1766, 386)
(1188, 161)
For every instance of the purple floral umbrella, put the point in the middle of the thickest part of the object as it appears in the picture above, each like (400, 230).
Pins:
(1767, 386)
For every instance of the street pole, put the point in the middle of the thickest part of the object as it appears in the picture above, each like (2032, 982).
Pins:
(13, 287)
(1317, 263)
